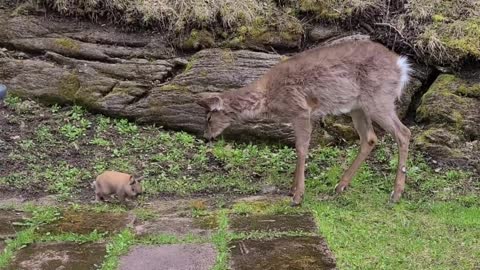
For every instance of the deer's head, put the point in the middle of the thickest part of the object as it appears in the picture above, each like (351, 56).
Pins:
(218, 117)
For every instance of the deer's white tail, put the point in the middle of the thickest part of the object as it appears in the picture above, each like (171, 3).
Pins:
(405, 69)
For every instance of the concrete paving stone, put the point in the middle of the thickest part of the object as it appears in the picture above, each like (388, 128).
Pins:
(279, 223)
(85, 222)
(179, 226)
(59, 256)
(8, 221)
(286, 253)
(170, 257)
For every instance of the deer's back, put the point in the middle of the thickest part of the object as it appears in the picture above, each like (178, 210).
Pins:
(336, 79)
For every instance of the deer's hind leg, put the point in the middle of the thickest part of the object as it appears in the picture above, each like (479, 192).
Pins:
(391, 124)
(368, 139)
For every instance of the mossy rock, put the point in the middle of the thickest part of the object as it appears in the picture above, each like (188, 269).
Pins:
(440, 143)
(198, 39)
(445, 102)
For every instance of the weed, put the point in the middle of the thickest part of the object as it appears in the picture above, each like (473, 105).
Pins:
(124, 127)
(72, 132)
(119, 245)
(221, 239)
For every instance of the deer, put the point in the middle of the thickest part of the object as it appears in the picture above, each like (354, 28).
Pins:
(361, 78)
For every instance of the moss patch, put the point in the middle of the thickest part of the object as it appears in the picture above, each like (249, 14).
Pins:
(69, 86)
(199, 39)
(173, 87)
(442, 104)
(67, 43)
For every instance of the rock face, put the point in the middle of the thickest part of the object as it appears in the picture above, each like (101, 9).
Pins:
(137, 75)
(451, 111)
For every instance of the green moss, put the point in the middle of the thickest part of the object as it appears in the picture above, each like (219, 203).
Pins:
(191, 63)
(228, 57)
(442, 104)
(69, 86)
(199, 39)
(67, 43)
(459, 38)
(438, 18)
(173, 87)
(469, 90)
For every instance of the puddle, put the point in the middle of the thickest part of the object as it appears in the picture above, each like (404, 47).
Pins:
(9, 220)
(172, 225)
(84, 222)
(280, 223)
(181, 256)
(292, 253)
(58, 256)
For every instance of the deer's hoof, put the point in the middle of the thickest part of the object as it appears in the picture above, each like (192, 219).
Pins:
(395, 196)
(295, 204)
(339, 188)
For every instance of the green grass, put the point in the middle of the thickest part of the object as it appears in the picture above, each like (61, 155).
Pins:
(367, 234)
(435, 226)
(119, 245)
(220, 240)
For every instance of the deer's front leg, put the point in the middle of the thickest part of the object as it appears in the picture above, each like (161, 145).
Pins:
(303, 129)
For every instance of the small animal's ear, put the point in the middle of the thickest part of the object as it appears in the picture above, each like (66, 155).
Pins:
(211, 103)
(132, 180)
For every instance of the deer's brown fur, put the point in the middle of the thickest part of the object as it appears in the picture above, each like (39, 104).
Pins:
(362, 78)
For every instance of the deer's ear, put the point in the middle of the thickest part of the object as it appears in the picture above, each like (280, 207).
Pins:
(211, 103)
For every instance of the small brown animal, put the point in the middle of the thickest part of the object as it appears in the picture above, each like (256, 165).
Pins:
(362, 78)
(122, 184)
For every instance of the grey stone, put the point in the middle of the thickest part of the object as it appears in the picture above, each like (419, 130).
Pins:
(170, 257)
(279, 223)
(288, 253)
(49, 256)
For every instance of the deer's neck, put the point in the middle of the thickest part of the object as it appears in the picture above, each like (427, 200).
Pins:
(247, 102)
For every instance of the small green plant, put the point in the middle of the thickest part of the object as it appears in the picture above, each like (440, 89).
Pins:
(44, 134)
(125, 127)
(103, 124)
(12, 101)
(76, 113)
(26, 145)
(55, 108)
(100, 142)
(72, 132)
(119, 245)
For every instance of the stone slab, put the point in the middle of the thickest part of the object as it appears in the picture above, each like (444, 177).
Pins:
(8, 219)
(279, 223)
(286, 253)
(173, 225)
(59, 256)
(170, 257)
(85, 222)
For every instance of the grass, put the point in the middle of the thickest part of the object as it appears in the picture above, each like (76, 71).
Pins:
(435, 226)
